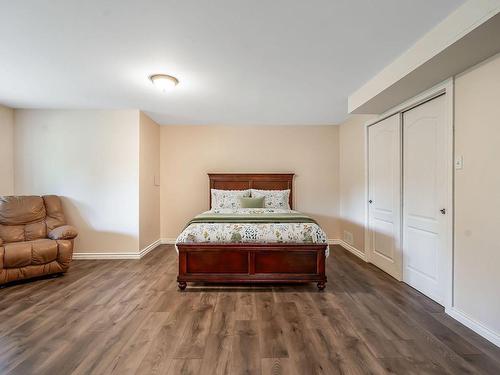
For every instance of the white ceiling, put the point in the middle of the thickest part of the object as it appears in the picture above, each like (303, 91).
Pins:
(238, 61)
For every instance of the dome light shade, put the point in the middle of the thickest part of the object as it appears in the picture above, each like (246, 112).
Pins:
(164, 82)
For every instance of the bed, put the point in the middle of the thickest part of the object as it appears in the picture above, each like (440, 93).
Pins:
(220, 258)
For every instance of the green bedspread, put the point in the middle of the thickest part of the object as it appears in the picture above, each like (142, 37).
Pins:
(289, 217)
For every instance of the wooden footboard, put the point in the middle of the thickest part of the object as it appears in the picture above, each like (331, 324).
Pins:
(251, 263)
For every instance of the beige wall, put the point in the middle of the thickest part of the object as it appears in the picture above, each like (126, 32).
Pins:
(352, 179)
(188, 153)
(149, 193)
(6, 151)
(91, 159)
(477, 194)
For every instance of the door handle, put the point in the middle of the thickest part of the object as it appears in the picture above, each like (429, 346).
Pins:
(443, 211)
(370, 201)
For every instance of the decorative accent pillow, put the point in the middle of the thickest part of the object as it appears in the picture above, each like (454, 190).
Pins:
(252, 202)
(227, 198)
(273, 198)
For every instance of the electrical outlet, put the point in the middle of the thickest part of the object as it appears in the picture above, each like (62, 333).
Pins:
(348, 237)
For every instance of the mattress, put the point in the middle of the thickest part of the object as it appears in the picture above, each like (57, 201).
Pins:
(253, 225)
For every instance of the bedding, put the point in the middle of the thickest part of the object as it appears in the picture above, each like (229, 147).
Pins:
(255, 225)
(227, 198)
(246, 202)
(273, 198)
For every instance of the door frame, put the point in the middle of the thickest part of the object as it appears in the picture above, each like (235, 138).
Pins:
(446, 87)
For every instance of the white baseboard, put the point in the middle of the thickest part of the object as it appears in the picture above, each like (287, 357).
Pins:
(168, 241)
(171, 241)
(350, 248)
(150, 247)
(118, 255)
(477, 327)
(100, 255)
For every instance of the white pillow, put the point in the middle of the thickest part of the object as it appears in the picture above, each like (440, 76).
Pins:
(227, 198)
(273, 198)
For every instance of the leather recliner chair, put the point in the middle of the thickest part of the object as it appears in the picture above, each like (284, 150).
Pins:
(34, 237)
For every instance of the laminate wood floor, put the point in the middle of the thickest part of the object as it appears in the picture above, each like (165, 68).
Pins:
(127, 317)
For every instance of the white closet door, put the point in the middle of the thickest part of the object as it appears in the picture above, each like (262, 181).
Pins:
(384, 193)
(425, 197)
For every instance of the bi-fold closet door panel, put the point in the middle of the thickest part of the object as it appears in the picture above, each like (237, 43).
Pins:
(407, 192)
(384, 186)
(425, 198)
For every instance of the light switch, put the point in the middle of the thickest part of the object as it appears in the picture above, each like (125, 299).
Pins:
(459, 162)
(157, 180)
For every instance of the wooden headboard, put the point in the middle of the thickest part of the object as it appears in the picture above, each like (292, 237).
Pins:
(243, 181)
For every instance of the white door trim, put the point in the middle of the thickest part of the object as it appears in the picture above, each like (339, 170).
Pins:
(446, 87)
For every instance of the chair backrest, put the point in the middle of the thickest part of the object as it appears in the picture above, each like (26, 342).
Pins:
(27, 218)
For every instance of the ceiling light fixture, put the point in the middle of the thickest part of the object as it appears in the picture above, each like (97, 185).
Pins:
(164, 82)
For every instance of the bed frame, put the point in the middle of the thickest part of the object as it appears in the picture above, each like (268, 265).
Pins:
(251, 262)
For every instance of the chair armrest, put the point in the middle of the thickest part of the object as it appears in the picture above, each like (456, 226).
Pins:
(65, 253)
(65, 232)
